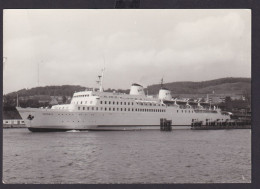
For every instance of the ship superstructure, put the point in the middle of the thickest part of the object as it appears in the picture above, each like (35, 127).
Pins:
(99, 110)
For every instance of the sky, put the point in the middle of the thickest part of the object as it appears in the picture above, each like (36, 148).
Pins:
(70, 47)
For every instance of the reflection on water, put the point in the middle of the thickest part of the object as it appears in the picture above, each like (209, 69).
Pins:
(180, 156)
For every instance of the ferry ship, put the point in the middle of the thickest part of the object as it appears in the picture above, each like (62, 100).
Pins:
(99, 110)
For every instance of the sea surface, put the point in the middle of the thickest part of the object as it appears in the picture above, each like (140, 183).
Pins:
(151, 156)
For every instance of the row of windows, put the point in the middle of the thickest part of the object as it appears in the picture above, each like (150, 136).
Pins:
(117, 103)
(121, 109)
(122, 97)
(107, 97)
(185, 111)
(81, 96)
(120, 103)
(82, 102)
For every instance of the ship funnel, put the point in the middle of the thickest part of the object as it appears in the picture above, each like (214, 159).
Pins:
(165, 94)
(136, 89)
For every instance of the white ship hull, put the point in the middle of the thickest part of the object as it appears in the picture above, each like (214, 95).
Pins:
(62, 120)
(98, 110)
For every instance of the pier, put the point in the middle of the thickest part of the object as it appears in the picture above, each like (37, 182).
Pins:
(165, 125)
(220, 124)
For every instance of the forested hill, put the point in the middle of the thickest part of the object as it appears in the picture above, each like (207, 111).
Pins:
(64, 90)
(219, 86)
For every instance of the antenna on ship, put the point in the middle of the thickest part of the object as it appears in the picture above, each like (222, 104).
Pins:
(17, 100)
(101, 77)
(101, 81)
(162, 83)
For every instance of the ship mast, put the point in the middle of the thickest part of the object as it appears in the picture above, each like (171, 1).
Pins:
(17, 100)
(162, 83)
(101, 80)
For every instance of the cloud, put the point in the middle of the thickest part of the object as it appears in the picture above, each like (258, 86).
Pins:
(137, 46)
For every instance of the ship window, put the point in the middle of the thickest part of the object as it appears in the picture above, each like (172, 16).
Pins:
(109, 109)
(101, 108)
(132, 103)
(105, 109)
(81, 102)
(96, 108)
(109, 102)
(132, 109)
(128, 103)
(125, 109)
(182, 111)
(116, 102)
(125, 103)
(121, 103)
(78, 108)
(100, 102)
(121, 109)
(117, 109)
(88, 108)
(83, 108)
(177, 111)
(136, 109)
(92, 108)
(128, 109)
(105, 102)
(113, 109)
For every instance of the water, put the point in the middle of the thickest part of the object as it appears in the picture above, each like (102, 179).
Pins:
(180, 156)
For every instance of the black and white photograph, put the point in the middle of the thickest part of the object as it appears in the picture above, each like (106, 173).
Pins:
(133, 96)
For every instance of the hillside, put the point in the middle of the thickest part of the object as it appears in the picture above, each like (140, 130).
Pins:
(64, 90)
(219, 86)
(226, 86)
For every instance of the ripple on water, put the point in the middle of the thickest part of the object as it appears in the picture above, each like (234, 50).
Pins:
(127, 157)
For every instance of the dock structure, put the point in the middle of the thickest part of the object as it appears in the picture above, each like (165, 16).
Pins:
(165, 125)
(220, 124)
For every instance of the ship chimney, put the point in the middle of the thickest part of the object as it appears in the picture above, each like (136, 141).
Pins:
(136, 89)
(165, 94)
